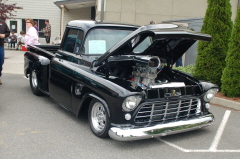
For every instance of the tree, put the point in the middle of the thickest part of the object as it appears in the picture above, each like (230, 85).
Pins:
(7, 9)
(217, 22)
(231, 73)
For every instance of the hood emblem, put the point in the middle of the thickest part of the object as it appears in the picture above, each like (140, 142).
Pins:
(173, 92)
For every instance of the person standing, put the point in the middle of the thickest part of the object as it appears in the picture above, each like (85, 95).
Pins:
(36, 25)
(152, 22)
(31, 37)
(21, 39)
(4, 32)
(13, 40)
(179, 62)
(47, 32)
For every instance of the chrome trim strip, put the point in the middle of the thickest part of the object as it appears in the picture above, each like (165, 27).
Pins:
(190, 105)
(129, 134)
(179, 107)
(169, 85)
(166, 109)
(151, 115)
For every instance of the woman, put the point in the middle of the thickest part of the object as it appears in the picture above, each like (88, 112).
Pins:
(31, 37)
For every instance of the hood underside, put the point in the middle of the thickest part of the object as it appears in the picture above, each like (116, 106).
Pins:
(169, 41)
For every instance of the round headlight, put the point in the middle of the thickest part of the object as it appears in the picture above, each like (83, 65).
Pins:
(131, 102)
(210, 94)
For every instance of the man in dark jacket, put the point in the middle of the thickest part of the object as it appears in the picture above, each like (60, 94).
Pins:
(47, 32)
(4, 32)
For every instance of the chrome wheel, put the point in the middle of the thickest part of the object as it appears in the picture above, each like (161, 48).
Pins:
(34, 80)
(34, 83)
(98, 117)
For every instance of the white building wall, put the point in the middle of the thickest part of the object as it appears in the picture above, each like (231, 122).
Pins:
(39, 9)
(77, 14)
(141, 12)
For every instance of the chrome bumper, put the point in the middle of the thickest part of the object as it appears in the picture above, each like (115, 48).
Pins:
(129, 134)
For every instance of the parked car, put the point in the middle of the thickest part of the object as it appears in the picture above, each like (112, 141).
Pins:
(123, 76)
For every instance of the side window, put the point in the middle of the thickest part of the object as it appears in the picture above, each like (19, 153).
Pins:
(79, 42)
(73, 41)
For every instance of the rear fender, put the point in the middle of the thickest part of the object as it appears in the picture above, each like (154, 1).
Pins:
(40, 65)
(33, 61)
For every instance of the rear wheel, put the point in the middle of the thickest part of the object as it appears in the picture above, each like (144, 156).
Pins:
(34, 83)
(98, 119)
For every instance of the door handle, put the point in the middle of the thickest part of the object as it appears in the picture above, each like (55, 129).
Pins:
(59, 56)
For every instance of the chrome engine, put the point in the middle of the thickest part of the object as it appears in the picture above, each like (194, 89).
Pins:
(145, 72)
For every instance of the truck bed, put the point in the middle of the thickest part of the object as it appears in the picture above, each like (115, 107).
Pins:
(44, 50)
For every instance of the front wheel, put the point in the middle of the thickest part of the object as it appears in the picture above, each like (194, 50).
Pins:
(34, 83)
(98, 119)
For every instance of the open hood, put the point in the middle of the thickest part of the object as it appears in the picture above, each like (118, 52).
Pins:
(169, 41)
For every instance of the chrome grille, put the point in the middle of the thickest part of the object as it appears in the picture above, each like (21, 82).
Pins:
(159, 112)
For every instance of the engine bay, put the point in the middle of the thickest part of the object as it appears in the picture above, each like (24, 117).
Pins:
(143, 72)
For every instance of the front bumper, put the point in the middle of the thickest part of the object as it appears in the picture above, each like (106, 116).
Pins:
(129, 134)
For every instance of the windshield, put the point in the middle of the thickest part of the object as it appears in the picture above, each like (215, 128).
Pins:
(100, 41)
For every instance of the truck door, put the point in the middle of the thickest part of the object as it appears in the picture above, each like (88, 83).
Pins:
(62, 68)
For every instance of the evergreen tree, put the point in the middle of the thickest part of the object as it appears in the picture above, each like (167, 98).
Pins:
(231, 73)
(217, 22)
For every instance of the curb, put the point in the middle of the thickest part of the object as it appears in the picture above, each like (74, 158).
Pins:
(225, 103)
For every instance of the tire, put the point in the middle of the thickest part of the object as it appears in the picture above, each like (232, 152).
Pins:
(34, 83)
(98, 119)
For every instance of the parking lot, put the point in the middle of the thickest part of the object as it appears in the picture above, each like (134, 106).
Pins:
(36, 127)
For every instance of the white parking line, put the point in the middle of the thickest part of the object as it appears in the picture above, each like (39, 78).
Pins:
(220, 131)
(194, 150)
(214, 145)
(173, 145)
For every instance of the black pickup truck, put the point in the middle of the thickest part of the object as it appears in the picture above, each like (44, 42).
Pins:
(122, 76)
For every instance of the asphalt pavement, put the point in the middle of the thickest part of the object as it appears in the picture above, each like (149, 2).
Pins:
(14, 62)
(33, 127)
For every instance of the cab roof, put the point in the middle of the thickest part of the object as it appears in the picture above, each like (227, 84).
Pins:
(88, 24)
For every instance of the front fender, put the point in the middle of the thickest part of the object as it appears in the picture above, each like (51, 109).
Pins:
(92, 96)
(207, 85)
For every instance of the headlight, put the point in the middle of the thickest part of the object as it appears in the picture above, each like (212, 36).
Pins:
(210, 94)
(131, 102)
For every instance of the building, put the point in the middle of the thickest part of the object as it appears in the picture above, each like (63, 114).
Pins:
(141, 12)
(39, 10)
